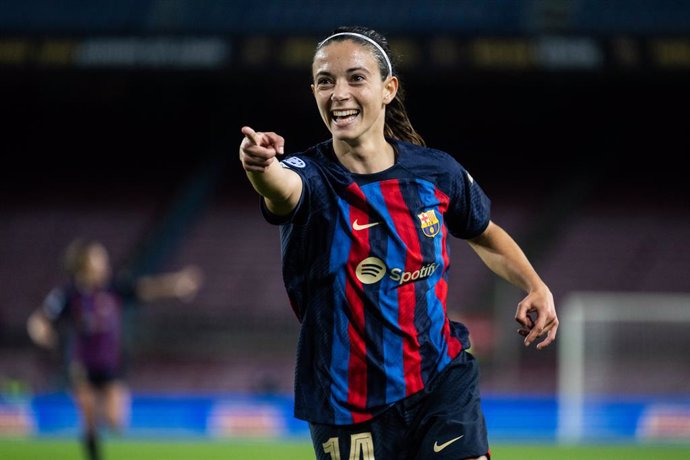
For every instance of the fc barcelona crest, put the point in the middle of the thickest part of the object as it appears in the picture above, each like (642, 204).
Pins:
(430, 223)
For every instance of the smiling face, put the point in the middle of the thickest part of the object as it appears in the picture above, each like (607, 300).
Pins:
(349, 91)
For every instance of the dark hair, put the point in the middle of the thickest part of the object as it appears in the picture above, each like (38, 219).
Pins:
(397, 123)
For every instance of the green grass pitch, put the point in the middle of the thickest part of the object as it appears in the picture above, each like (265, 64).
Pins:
(61, 449)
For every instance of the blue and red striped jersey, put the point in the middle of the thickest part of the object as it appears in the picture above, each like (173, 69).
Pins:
(365, 260)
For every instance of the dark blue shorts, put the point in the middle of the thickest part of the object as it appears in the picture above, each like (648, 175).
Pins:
(98, 378)
(442, 422)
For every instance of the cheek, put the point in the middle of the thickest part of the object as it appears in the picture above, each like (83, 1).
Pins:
(322, 104)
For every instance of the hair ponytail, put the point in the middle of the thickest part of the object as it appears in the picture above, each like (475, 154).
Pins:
(397, 123)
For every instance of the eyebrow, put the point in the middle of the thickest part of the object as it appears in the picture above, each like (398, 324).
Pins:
(350, 70)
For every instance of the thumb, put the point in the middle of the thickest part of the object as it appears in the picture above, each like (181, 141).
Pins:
(276, 141)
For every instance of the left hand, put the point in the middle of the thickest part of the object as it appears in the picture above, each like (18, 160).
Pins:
(536, 314)
(187, 283)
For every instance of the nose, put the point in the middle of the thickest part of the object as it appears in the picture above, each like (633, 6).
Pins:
(340, 91)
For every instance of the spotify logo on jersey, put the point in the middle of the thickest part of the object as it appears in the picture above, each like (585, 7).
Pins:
(373, 269)
(370, 270)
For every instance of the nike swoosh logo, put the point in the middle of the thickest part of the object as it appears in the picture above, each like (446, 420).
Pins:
(438, 448)
(356, 226)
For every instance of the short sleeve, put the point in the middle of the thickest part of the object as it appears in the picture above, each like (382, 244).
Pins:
(469, 210)
(55, 304)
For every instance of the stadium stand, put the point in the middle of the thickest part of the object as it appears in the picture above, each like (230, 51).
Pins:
(551, 140)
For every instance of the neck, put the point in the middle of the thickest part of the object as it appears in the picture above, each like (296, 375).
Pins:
(87, 287)
(365, 157)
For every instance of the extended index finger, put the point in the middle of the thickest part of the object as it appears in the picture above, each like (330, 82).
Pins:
(251, 135)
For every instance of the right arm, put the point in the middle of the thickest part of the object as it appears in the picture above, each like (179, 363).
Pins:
(280, 187)
(41, 329)
(182, 284)
(40, 324)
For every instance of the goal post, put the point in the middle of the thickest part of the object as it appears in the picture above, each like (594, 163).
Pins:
(623, 359)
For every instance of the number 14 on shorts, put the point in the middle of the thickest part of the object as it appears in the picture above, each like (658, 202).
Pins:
(361, 447)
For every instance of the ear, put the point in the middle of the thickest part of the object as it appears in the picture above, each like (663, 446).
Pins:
(313, 89)
(390, 89)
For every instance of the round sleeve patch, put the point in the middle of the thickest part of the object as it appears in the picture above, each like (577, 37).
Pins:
(296, 162)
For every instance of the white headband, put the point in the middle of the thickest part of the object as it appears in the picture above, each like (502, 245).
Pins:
(363, 37)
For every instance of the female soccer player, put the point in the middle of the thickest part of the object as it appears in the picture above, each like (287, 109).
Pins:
(91, 305)
(365, 216)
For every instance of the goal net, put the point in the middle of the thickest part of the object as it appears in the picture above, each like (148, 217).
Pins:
(624, 367)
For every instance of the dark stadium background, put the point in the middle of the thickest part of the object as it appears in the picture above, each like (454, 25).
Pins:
(584, 164)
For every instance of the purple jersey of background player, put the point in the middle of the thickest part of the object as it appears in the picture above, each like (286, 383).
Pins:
(95, 320)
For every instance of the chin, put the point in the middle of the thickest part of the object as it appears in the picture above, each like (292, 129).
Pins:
(344, 135)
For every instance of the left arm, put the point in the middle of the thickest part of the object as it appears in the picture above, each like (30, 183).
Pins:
(181, 285)
(505, 258)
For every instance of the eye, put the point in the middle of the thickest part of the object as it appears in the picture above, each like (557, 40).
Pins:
(323, 81)
(357, 78)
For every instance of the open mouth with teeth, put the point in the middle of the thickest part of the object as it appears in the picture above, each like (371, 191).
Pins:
(341, 117)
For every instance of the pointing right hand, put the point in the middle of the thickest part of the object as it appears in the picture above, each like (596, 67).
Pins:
(258, 149)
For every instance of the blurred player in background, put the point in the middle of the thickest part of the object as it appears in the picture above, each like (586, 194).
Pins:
(91, 305)
(381, 370)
